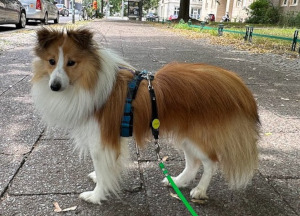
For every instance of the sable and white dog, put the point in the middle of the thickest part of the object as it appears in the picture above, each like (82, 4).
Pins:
(208, 111)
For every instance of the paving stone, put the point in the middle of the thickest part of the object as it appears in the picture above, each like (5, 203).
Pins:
(9, 166)
(129, 204)
(289, 189)
(259, 198)
(54, 167)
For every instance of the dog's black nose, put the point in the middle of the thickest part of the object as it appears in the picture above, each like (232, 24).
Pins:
(55, 86)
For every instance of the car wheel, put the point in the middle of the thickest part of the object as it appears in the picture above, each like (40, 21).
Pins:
(45, 20)
(22, 22)
(57, 19)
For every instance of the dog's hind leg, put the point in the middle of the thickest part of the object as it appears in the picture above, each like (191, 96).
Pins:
(209, 167)
(192, 165)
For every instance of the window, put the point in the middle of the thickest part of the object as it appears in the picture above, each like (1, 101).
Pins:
(176, 11)
(195, 13)
(244, 3)
(294, 2)
(284, 3)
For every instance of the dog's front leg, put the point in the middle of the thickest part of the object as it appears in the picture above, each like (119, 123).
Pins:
(106, 165)
(99, 192)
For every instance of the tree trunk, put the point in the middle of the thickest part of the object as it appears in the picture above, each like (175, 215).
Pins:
(184, 10)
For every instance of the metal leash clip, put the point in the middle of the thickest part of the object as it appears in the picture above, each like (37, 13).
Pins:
(149, 80)
(157, 149)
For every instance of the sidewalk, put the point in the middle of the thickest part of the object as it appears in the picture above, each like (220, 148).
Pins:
(38, 166)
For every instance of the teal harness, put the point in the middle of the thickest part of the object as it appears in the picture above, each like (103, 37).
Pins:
(127, 120)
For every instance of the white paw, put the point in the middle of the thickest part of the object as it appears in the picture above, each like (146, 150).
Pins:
(198, 193)
(165, 182)
(91, 196)
(177, 181)
(92, 176)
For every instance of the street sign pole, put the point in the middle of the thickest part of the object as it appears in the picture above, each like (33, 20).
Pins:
(73, 11)
(122, 11)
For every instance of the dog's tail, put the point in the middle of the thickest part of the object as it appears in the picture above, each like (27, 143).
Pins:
(236, 147)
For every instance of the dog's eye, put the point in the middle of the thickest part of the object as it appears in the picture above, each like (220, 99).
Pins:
(70, 63)
(52, 62)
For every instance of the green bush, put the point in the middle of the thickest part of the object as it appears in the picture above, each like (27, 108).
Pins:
(257, 11)
(297, 20)
(272, 15)
(263, 12)
(291, 19)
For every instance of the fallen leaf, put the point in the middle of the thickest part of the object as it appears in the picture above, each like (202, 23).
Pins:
(165, 158)
(70, 209)
(56, 207)
(199, 201)
(268, 134)
(174, 196)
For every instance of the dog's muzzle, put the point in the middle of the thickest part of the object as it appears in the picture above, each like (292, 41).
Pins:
(56, 85)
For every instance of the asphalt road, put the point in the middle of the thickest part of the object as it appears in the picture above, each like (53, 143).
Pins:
(38, 166)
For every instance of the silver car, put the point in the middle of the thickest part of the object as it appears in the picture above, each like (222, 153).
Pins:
(43, 10)
(12, 12)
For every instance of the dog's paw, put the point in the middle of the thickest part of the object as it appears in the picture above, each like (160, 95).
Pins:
(165, 182)
(198, 193)
(178, 182)
(91, 197)
(92, 176)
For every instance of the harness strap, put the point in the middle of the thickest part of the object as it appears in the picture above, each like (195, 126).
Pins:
(155, 123)
(127, 120)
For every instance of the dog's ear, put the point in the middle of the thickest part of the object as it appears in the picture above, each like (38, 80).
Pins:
(82, 37)
(46, 36)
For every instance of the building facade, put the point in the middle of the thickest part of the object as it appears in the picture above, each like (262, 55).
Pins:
(289, 6)
(169, 8)
(199, 9)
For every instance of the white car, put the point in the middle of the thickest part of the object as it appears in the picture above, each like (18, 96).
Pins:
(63, 10)
(43, 10)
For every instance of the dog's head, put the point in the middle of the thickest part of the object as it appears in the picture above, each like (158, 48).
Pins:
(67, 57)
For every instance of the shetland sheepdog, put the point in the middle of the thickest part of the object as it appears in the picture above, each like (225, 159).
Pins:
(208, 111)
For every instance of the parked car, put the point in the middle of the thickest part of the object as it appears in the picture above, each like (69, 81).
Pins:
(173, 17)
(12, 12)
(43, 10)
(209, 18)
(63, 10)
(151, 17)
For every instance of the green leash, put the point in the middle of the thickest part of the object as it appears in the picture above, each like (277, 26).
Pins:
(155, 123)
(176, 189)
